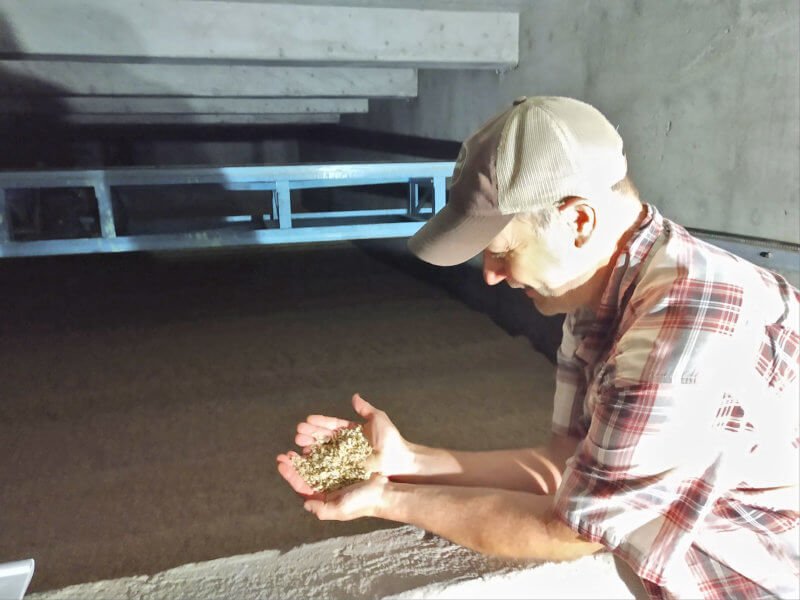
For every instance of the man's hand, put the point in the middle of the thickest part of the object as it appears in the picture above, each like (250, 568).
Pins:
(362, 499)
(390, 452)
(495, 512)
(287, 469)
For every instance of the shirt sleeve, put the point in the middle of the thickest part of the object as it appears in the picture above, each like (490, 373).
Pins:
(653, 462)
(632, 484)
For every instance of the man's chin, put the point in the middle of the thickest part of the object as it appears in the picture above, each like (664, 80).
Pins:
(548, 310)
(548, 306)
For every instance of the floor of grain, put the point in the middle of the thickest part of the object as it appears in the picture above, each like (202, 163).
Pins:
(145, 397)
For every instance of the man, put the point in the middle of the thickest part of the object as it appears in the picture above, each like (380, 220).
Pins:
(675, 427)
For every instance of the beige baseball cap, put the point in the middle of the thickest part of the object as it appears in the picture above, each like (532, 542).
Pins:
(538, 151)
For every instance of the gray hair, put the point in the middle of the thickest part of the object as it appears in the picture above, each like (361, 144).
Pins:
(543, 217)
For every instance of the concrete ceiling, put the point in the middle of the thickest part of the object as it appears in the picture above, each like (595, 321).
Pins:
(207, 61)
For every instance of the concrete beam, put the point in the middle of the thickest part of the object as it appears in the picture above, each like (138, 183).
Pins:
(180, 105)
(195, 119)
(245, 31)
(459, 5)
(60, 78)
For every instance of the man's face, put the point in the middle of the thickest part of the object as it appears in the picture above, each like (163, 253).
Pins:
(545, 264)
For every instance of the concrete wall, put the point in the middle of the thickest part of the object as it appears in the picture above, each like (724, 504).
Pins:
(705, 94)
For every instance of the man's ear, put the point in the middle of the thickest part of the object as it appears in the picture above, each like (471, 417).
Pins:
(581, 217)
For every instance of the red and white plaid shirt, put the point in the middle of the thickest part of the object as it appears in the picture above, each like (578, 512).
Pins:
(684, 389)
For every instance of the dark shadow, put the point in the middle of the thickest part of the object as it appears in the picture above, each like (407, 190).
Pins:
(33, 135)
(507, 307)
(37, 133)
(32, 130)
(630, 579)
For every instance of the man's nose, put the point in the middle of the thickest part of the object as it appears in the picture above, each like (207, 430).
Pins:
(493, 272)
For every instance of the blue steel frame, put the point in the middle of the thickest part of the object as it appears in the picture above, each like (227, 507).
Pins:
(279, 181)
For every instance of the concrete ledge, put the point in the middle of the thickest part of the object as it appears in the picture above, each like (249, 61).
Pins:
(404, 562)
(200, 119)
(182, 105)
(61, 78)
(284, 33)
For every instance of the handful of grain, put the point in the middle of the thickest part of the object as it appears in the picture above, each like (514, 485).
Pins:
(336, 462)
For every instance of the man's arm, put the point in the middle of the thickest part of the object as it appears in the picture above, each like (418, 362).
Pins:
(498, 522)
(532, 470)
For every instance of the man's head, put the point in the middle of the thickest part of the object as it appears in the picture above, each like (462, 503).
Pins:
(541, 189)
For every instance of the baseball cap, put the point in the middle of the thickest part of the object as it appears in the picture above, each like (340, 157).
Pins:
(536, 152)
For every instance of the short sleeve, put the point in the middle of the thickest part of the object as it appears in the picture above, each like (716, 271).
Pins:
(637, 483)
(652, 464)
(679, 422)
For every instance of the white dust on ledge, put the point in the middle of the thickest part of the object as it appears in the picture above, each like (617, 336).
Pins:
(404, 562)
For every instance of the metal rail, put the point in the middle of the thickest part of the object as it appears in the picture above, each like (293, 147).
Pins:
(276, 226)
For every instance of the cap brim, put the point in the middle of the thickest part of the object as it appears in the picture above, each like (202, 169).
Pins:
(452, 237)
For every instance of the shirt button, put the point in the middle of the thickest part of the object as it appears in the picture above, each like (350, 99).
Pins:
(520, 100)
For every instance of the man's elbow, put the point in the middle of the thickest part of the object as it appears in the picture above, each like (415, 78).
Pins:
(558, 543)
(567, 544)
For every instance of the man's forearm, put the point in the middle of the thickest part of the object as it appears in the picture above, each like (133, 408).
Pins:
(499, 522)
(533, 470)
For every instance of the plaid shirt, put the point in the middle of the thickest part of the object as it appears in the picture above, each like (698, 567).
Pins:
(684, 391)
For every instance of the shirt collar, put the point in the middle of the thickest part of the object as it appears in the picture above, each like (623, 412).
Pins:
(596, 329)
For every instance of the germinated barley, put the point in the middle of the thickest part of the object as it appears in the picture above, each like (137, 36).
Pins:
(337, 462)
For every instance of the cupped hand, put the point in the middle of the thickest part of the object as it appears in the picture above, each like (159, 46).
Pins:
(362, 499)
(391, 454)
(288, 471)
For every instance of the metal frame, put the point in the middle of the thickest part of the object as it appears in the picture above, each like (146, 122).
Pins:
(5, 222)
(279, 227)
